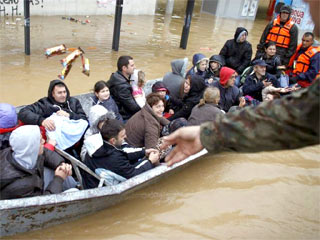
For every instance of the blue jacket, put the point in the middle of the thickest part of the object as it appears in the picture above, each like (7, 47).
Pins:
(195, 61)
(110, 105)
(228, 96)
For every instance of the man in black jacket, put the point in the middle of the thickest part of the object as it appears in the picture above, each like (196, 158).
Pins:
(256, 82)
(120, 88)
(58, 101)
(110, 156)
(237, 52)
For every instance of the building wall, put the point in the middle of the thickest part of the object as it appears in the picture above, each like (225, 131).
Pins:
(76, 7)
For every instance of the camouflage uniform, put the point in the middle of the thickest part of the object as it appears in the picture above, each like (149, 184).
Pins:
(287, 123)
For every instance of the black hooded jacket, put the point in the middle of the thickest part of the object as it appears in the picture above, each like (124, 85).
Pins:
(191, 99)
(45, 107)
(121, 92)
(115, 160)
(215, 74)
(237, 55)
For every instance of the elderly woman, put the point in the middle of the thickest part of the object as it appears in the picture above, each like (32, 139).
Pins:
(207, 109)
(144, 128)
(22, 166)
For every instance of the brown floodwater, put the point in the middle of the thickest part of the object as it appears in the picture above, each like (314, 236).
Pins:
(272, 195)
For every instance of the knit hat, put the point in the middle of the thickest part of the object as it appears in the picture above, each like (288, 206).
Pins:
(8, 116)
(159, 86)
(225, 74)
(286, 9)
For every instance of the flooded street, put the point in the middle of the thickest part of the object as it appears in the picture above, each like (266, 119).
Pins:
(273, 195)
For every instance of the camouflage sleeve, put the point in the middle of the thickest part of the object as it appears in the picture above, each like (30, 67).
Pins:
(287, 123)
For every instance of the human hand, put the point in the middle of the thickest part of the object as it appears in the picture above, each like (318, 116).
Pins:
(210, 80)
(171, 111)
(63, 113)
(266, 83)
(48, 124)
(150, 150)
(242, 102)
(187, 141)
(63, 170)
(154, 157)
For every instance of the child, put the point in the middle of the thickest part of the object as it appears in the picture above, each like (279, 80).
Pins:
(170, 101)
(137, 83)
(102, 97)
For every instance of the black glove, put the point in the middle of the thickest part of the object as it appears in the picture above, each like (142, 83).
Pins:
(293, 80)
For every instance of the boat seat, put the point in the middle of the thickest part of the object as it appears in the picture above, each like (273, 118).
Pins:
(109, 177)
(76, 164)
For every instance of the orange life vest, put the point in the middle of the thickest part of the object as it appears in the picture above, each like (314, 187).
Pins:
(302, 62)
(280, 35)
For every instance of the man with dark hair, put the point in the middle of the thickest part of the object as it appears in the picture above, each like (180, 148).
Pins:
(305, 63)
(120, 87)
(284, 32)
(58, 101)
(110, 156)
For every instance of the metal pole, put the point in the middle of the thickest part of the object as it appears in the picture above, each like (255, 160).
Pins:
(169, 7)
(187, 23)
(117, 25)
(26, 27)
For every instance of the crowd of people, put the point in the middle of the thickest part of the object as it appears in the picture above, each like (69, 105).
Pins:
(122, 132)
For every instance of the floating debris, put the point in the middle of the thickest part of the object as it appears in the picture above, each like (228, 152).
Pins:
(85, 65)
(49, 52)
(71, 57)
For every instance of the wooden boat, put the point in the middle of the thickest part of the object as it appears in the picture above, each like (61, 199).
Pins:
(27, 214)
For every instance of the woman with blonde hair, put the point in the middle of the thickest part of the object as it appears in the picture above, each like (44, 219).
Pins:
(207, 109)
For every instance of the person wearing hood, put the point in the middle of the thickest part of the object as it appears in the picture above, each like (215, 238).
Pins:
(200, 64)
(8, 123)
(145, 127)
(173, 80)
(170, 101)
(284, 32)
(22, 166)
(216, 62)
(193, 89)
(92, 137)
(229, 93)
(305, 63)
(111, 157)
(256, 82)
(237, 52)
(58, 101)
(121, 89)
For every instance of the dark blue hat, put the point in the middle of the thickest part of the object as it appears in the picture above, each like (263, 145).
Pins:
(259, 62)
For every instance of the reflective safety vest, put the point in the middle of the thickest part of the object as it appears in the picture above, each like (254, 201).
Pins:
(280, 35)
(300, 64)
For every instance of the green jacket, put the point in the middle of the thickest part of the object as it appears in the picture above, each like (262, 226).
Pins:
(287, 123)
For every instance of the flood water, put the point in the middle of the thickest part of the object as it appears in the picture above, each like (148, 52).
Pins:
(227, 196)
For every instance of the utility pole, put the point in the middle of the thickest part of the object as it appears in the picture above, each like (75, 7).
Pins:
(117, 25)
(26, 27)
(187, 23)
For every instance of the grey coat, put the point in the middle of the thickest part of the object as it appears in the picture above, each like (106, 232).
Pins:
(173, 80)
(204, 113)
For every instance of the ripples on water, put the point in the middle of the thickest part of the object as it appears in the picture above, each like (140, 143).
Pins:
(228, 196)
